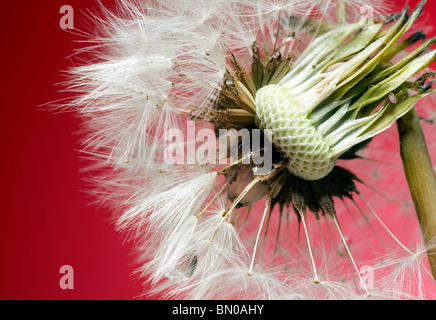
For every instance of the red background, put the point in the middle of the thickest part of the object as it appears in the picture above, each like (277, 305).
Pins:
(46, 219)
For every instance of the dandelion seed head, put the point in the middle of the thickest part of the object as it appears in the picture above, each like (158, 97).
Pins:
(321, 83)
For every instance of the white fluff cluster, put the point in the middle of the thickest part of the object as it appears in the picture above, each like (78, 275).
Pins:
(158, 64)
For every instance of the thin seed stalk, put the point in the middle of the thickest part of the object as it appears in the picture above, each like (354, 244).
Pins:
(421, 178)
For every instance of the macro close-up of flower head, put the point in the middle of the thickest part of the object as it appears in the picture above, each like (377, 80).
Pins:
(268, 149)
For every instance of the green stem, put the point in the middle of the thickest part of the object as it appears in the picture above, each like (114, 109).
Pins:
(421, 178)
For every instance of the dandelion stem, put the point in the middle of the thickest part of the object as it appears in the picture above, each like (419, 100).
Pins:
(420, 176)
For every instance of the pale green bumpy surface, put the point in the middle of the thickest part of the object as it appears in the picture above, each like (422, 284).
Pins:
(293, 134)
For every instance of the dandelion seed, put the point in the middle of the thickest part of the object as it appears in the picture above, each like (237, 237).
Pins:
(305, 84)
